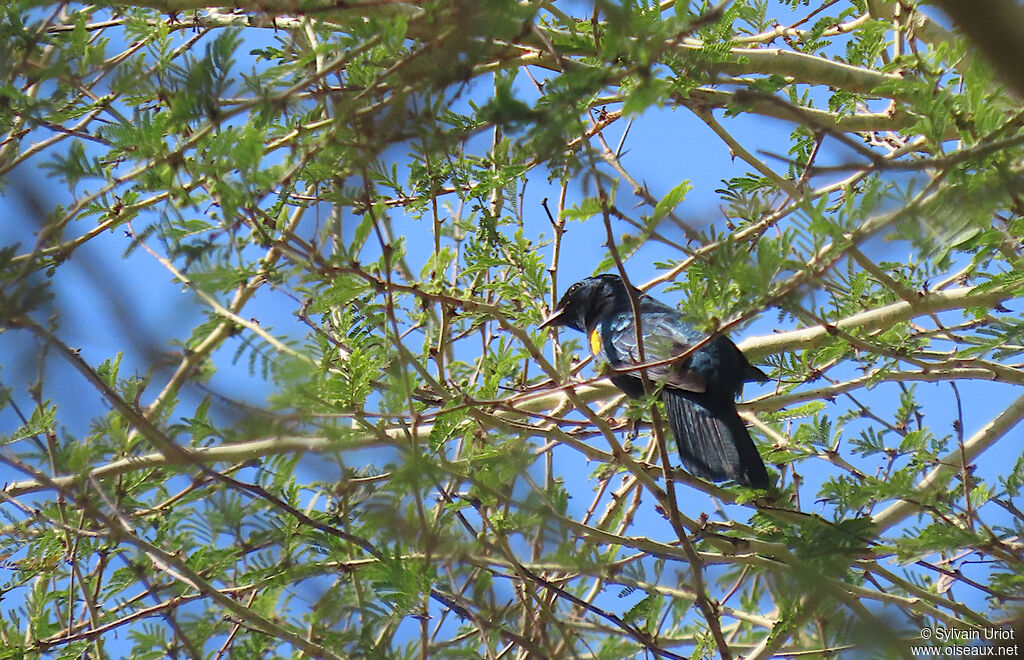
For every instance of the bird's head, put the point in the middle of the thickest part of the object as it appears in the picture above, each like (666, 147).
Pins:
(585, 302)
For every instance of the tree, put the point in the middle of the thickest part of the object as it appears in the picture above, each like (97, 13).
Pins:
(353, 441)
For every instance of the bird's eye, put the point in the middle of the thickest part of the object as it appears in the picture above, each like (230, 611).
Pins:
(573, 289)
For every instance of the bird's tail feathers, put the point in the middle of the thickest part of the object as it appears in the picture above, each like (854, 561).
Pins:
(713, 441)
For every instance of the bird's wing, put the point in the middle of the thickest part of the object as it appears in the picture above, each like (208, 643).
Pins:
(664, 336)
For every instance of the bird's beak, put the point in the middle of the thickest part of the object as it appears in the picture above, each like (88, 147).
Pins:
(552, 318)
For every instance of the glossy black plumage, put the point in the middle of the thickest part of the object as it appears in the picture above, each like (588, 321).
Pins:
(699, 390)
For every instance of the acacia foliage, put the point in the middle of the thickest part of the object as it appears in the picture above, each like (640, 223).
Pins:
(345, 193)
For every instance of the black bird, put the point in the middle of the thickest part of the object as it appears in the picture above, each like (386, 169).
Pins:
(699, 391)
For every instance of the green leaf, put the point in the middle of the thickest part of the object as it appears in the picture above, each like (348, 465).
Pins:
(671, 200)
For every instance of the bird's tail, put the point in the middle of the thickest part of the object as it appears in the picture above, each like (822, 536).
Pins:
(713, 441)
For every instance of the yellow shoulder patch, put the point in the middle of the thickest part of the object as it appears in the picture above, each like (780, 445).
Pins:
(595, 341)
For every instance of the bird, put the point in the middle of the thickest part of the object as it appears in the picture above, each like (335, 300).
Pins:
(699, 390)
